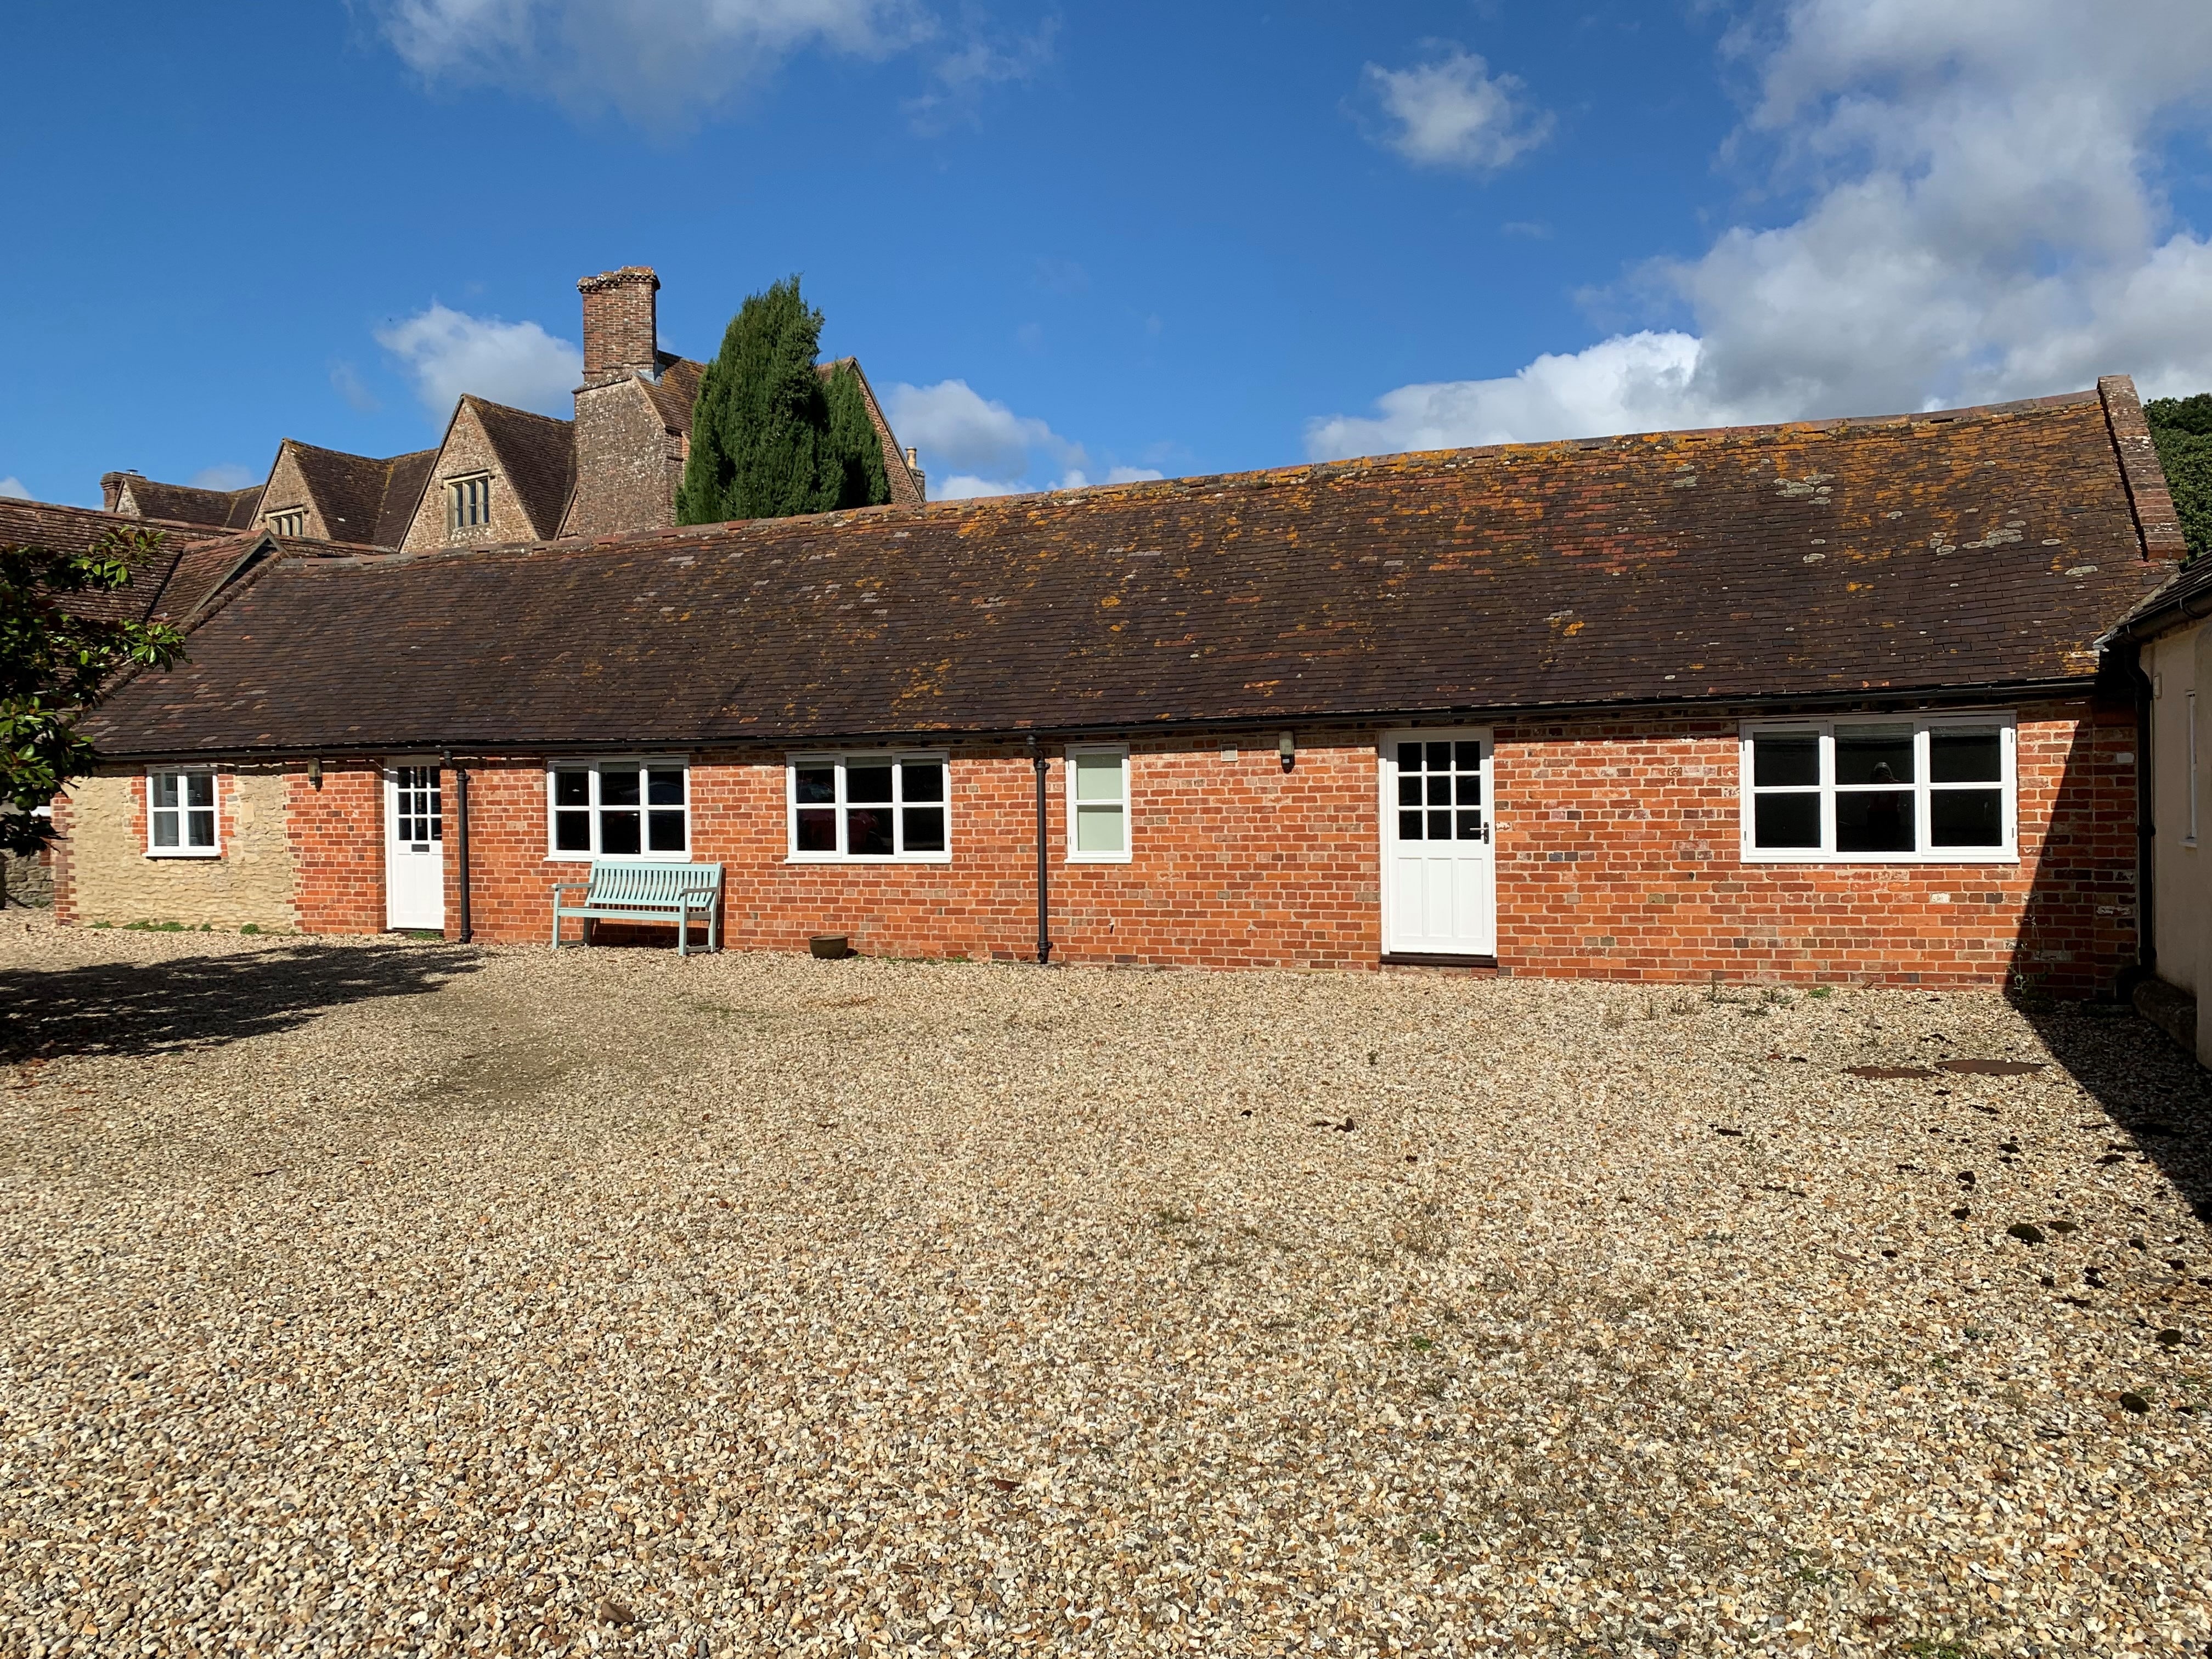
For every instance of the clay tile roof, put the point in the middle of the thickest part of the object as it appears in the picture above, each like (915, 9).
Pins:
(539, 454)
(77, 529)
(1927, 554)
(363, 499)
(674, 393)
(221, 509)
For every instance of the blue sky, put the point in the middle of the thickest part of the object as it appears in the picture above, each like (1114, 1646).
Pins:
(1077, 243)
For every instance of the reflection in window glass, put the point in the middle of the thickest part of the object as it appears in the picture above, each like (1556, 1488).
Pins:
(621, 810)
(1440, 777)
(1879, 788)
(869, 806)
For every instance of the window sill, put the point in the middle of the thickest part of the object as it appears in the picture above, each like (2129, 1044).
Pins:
(175, 852)
(1850, 859)
(619, 858)
(868, 858)
(1100, 858)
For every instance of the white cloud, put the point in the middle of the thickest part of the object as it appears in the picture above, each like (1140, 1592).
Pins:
(12, 487)
(1452, 113)
(658, 63)
(974, 445)
(1631, 382)
(448, 352)
(227, 475)
(956, 427)
(1076, 478)
(346, 382)
(1981, 219)
(963, 76)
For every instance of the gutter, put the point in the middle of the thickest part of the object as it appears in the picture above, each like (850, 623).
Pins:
(461, 811)
(1871, 699)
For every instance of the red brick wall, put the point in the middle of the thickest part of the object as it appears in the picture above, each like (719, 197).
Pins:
(1238, 864)
(1617, 847)
(1618, 859)
(338, 836)
(57, 853)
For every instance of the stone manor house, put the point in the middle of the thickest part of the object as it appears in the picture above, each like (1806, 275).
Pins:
(1841, 700)
(501, 474)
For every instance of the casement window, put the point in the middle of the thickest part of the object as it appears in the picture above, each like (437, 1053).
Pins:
(1880, 789)
(291, 521)
(1098, 805)
(180, 816)
(618, 809)
(468, 501)
(869, 808)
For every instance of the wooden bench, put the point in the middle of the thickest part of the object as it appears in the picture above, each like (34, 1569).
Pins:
(631, 889)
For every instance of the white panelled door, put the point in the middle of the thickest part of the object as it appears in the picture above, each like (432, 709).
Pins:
(1439, 868)
(414, 846)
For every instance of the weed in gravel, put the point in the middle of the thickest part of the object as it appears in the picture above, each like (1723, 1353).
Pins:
(1422, 1231)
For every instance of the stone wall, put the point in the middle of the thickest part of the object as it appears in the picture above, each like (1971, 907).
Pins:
(26, 883)
(627, 463)
(104, 875)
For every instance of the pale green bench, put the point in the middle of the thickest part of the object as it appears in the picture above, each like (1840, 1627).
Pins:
(631, 889)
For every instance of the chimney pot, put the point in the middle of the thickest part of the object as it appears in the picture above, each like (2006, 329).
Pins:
(620, 333)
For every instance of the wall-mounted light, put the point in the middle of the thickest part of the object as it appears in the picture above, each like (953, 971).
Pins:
(1287, 747)
(315, 773)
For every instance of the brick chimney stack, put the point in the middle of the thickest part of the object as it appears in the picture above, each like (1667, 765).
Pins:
(620, 339)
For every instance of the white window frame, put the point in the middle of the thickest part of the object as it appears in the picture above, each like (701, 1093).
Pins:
(470, 484)
(1092, 750)
(183, 811)
(843, 760)
(288, 522)
(2002, 721)
(595, 765)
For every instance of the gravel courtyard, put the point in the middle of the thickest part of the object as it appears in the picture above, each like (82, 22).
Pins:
(389, 1296)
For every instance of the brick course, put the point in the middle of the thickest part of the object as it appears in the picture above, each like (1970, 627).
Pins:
(1617, 844)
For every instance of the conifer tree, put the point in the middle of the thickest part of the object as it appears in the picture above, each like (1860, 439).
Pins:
(770, 435)
(2181, 429)
(858, 453)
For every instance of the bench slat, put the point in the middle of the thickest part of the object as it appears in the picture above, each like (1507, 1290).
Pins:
(638, 889)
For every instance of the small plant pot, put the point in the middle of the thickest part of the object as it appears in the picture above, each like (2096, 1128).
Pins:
(829, 947)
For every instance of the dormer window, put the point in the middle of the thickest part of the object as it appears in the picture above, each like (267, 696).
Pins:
(292, 521)
(468, 501)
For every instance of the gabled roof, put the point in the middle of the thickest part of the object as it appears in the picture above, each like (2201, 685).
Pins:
(538, 452)
(674, 393)
(58, 529)
(220, 509)
(362, 499)
(1961, 553)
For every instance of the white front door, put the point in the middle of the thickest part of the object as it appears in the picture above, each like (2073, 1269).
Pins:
(1439, 869)
(414, 847)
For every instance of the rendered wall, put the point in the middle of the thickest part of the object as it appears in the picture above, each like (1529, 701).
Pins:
(1619, 857)
(2178, 871)
(104, 875)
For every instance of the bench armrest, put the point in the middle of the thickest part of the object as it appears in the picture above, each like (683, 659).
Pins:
(698, 892)
(561, 887)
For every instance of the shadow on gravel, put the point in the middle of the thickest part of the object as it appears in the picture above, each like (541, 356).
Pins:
(2158, 1099)
(137, 1008)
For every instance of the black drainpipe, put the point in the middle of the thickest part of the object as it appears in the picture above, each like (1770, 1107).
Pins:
(1044, 865)
(461, 811)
